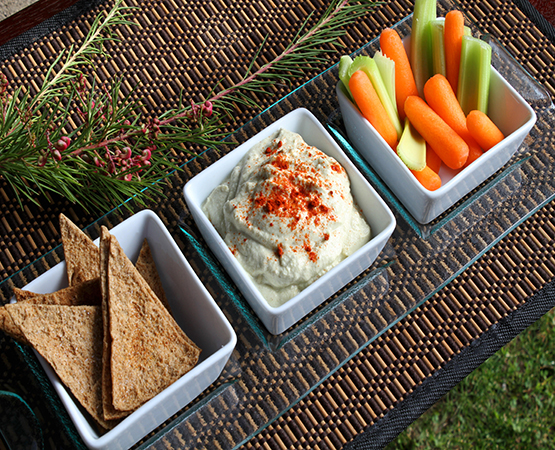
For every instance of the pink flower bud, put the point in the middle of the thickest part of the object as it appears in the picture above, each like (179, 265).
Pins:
(207, 109)
(57, 155)
(42, 160)
(146, 154)
(127, 151)
(128, 177)
(63, 143)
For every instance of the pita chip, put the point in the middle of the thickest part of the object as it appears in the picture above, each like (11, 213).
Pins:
(147, 268)
(81, 255)
(149, 351)
(110, 413)
(8, 326)
(70, 339)
(85, 293)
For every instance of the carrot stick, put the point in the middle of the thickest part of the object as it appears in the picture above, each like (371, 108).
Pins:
(442, 99)
(453, 31)
(448, 145)
(473, 155)
(371, 107)
(428, 178)
(483, 129)
(432, 160)
(392, 46)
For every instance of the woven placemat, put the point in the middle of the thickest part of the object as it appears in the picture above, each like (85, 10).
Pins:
(189, 46)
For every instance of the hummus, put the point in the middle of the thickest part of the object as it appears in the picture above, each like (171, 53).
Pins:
(287, 214)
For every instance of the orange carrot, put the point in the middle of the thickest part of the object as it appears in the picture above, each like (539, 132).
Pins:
(473, 155)
(432, 160)
(448, 145)
(371, 107)
(483, 129)
(392, 46)
(442, 99)
(453, 30)
(428, 178)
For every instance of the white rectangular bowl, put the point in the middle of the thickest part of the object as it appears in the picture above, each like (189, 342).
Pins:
(508, 110)
(194, 310)
(376, 212)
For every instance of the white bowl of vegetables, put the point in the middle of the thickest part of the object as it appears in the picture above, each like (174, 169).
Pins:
(431, 130)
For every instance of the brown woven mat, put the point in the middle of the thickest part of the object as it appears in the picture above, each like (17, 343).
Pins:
(189, 46)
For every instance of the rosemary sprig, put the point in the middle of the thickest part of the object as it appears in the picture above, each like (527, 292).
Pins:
(80, 140)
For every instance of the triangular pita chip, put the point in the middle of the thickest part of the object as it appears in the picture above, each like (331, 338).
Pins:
(8, 326)
(149, 350)
(70, 339)
(109, 411)
(81, 254)
(84, 293)
(147, 268)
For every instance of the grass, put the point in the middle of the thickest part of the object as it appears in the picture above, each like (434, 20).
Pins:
(507, 403)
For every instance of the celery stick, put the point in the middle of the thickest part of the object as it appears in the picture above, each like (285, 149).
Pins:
(438, 47)
(412, 148)
(467, 31)
(474, 77)
(386, 67)
(369, 66)
(344, 64)
(421, 42)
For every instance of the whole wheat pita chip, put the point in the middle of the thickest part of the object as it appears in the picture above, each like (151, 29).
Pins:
(149, 351)
(81, 254)
(70, 339)
(147, 268)
(8, 326)
(84, 293)
(110, 413)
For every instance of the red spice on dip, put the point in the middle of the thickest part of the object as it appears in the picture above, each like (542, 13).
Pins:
(287, 214)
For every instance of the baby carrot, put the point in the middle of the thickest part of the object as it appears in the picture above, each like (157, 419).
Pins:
(392, 46)
(428, 178)
(473, 155)
(371, 107)
(448, 145)
(453, 31)
(483, 129)
(442, 99)
(432, 160)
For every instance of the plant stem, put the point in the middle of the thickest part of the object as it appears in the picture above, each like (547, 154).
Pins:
(225, 92)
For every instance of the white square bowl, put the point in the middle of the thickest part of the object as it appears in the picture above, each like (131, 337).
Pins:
(508, 110)
(194, 310)
(376, 212)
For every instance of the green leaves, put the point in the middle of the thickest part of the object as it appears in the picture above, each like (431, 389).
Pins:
(115, 153)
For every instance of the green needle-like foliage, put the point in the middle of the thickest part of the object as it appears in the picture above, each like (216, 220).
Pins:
(82, 141)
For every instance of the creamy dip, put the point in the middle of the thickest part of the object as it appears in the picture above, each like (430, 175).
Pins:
(287, 214)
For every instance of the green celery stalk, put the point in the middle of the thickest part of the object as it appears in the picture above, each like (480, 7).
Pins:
(412, 148)
(467, 31)
(425, 11)
(344, 65)
(474, 77)
(438, 47)
(369, 66)
(386, 67)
